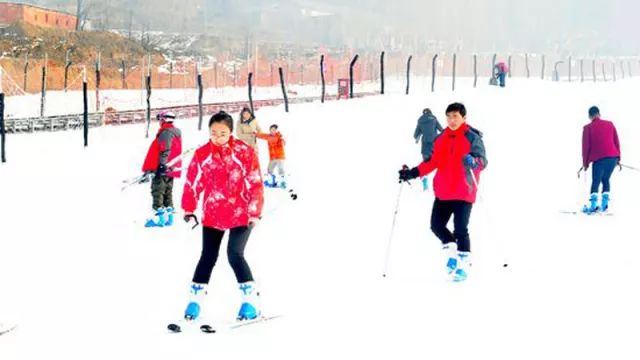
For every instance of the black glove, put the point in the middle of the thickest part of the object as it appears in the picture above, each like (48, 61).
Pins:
(146, 177)
(188, 217)
(407, 174)
(162, 170)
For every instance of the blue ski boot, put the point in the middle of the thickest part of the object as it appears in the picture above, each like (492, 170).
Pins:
(170, 212)
(282, 183)
(451, 253)
(270, 181)
(604, 206)
(197, 294)
(250, 308)
(464, 262)
(425, 183)
(157, 219)
(593, 205)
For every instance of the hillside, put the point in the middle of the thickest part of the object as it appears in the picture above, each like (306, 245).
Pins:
(22, 39)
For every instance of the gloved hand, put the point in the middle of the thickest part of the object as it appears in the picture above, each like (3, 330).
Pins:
(406, 174)
(162, 170)
(146, 177)
(253, 222)
(470, 162)
(188, 217)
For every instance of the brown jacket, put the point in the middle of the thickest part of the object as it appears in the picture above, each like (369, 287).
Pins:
(245, 131)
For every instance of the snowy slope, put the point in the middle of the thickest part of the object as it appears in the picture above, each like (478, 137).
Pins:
(64, 103)
(84, 280)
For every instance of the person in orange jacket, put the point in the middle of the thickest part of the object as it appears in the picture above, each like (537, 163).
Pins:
(276, 156)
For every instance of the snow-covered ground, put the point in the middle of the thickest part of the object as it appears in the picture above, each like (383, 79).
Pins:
(64, 103)
(84, 279)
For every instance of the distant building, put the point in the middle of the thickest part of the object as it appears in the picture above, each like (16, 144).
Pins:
(12, 12)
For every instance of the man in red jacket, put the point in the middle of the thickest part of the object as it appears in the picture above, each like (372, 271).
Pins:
(166, 147)
(459, 157)
(601, 146)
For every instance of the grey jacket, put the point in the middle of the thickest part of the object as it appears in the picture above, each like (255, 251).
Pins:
(245, 131)
(167, 136)
(428, 128)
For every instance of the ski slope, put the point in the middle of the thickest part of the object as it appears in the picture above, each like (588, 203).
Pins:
(85, 280)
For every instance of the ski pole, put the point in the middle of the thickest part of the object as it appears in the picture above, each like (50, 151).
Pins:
(187, 219)
(505, 263)
(579, 171)
(629, 167)
(393, 226)
(146, 177)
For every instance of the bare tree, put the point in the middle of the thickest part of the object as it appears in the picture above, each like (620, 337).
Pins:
(130, 22)
(82, 11)
(79, 12)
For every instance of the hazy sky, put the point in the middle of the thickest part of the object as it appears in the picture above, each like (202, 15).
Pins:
(566, 26)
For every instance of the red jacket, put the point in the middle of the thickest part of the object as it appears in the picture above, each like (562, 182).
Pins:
(231, 180)
(599, 141)
(276, 145)
(165, 148)
(502, 67)
(453, 181)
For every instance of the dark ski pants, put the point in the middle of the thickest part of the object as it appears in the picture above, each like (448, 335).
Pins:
(440, 215)
(162, 191)
(601, 173)
(211, 240)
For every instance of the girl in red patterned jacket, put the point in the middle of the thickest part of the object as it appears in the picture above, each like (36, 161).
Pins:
(227, 171)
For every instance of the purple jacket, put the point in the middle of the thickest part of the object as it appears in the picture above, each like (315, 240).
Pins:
(599, 141)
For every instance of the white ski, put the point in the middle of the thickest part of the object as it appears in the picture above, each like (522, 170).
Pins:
(186, 325)
(6, 328)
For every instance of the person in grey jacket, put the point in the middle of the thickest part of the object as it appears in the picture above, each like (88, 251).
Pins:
(247, 127)
(428, 128)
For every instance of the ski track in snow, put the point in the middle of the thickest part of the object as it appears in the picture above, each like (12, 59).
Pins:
(84, 280)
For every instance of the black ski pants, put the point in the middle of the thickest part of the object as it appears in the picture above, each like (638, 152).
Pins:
(211, 241)
(440, 215)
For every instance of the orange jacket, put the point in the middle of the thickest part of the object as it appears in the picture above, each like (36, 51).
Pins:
(276, 145)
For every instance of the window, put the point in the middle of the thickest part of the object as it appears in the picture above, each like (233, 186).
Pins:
(57, 22)
(46, 18)
(36, 17)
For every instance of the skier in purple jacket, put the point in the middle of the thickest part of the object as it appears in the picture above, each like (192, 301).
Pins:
(600, 146)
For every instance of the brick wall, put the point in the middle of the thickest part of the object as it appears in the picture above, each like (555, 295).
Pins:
(48, 19)
(10, 13)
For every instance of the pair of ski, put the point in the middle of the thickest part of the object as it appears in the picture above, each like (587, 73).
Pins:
(292, 194)
(4, 329)
(146, 177)
(183, 325)
(594, 213)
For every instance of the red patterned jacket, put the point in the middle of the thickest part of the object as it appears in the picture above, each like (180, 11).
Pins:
(230, 177)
